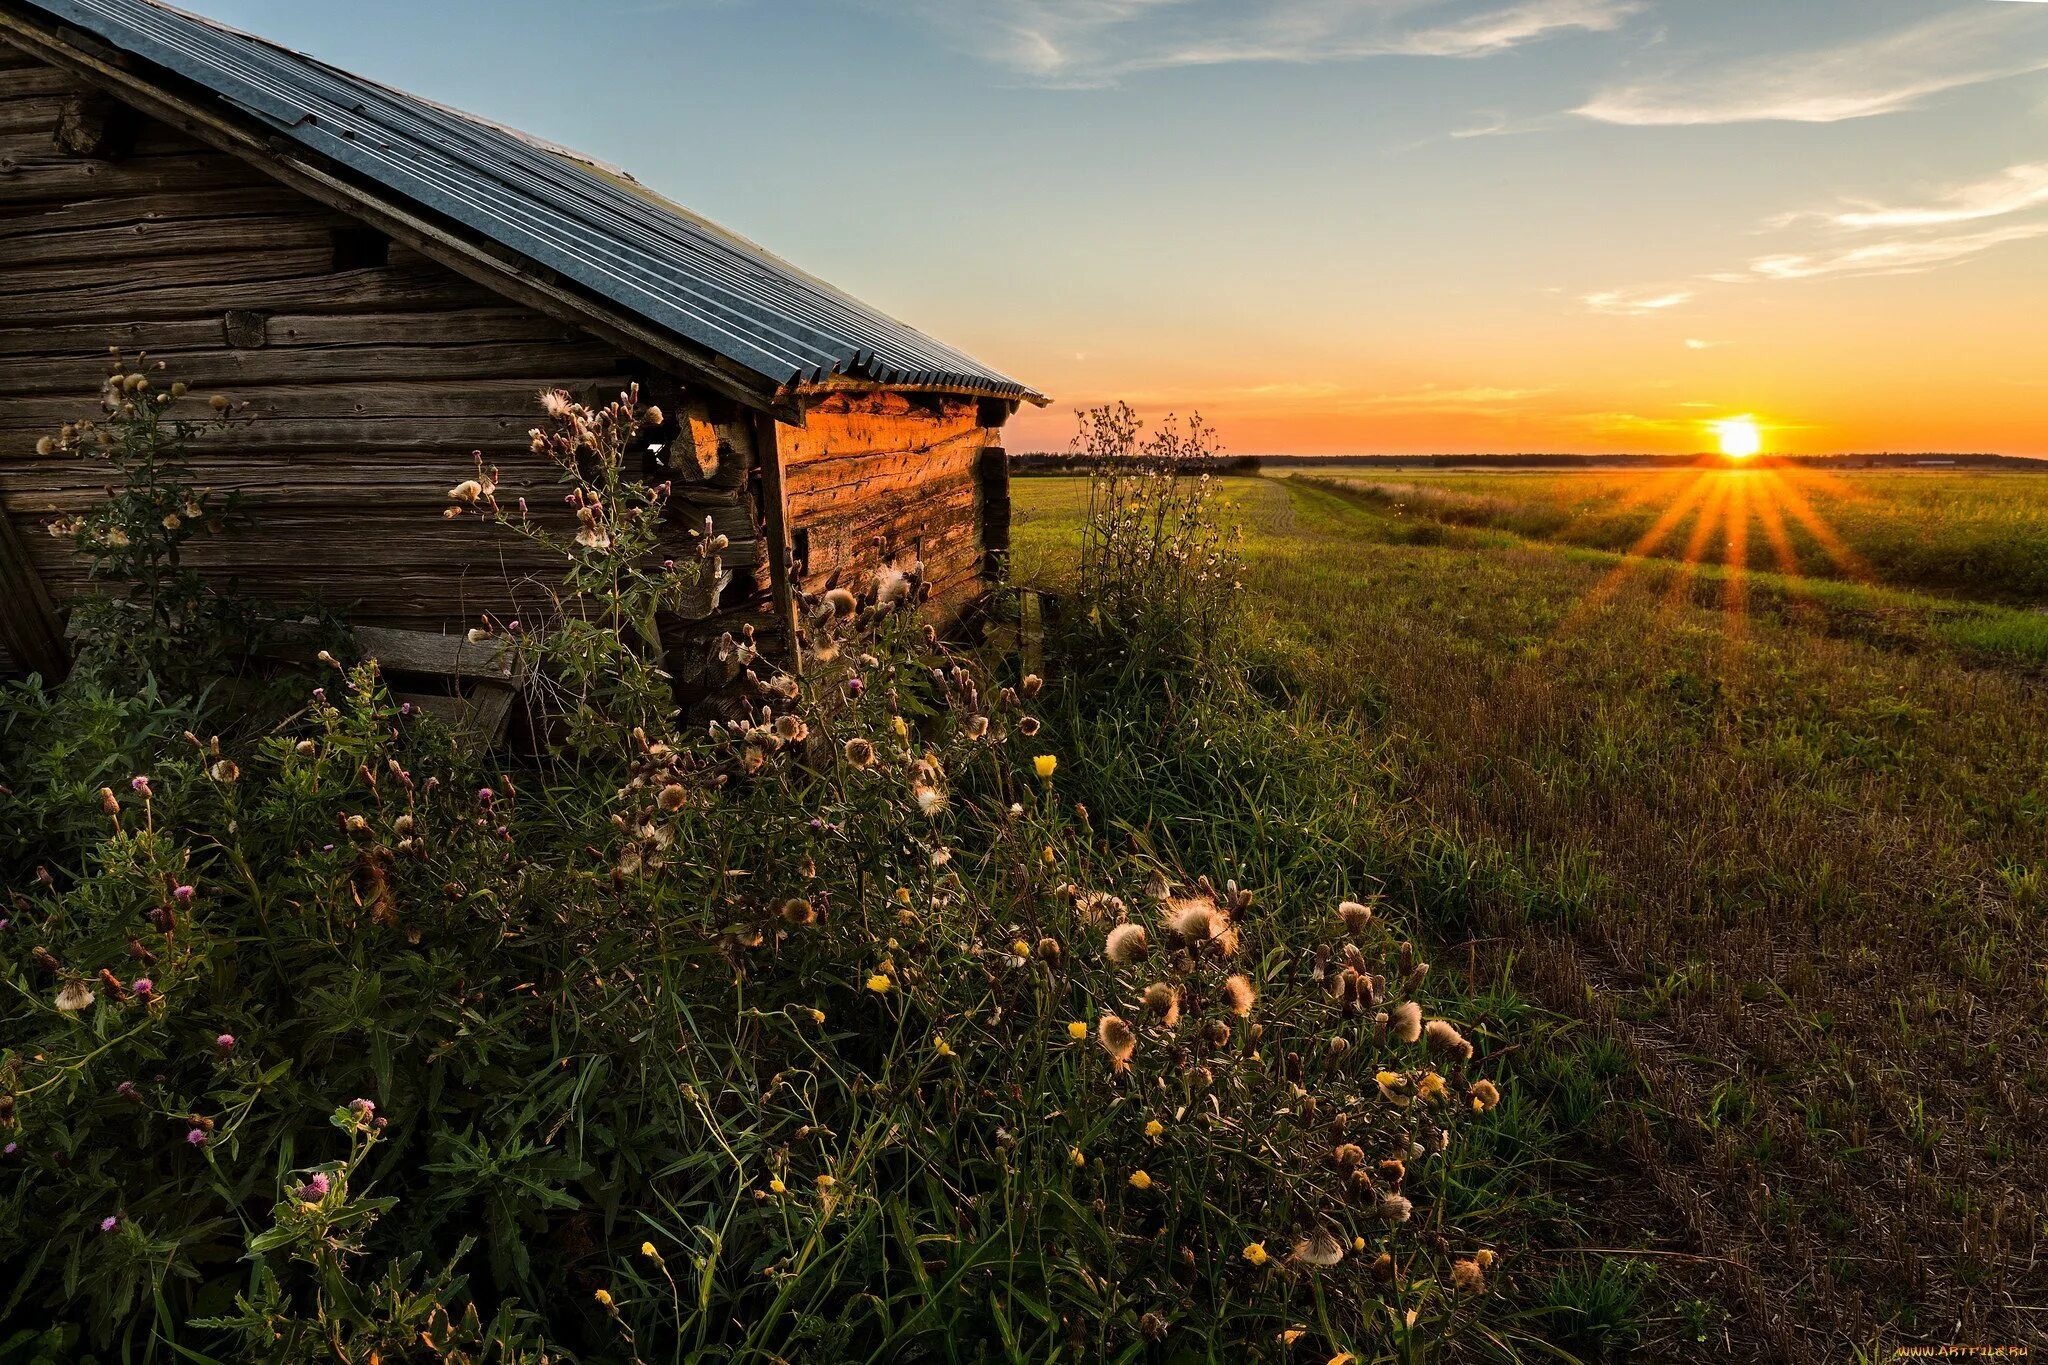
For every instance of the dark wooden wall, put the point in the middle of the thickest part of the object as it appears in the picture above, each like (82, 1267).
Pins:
(368, 387)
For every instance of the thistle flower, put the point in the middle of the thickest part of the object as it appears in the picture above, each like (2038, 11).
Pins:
(859, 752)
(73, 996)
(1405, 1019)
(140, 785)
(930, 800)
(1467, 1277)
(791, 729)
(1395, 1208)
(977, 726)
(1239, 995)
(1117, 1040)
(226, 1043)
(842, 602)
(672, 797)
(1126, 944)
(143, 987)
(1356, 916)
(1321, 1249)
(1485, 1095)
(197, 1137)
(317, 1185)
(110, 1222)
(1163, 1000)
(1443, 1037)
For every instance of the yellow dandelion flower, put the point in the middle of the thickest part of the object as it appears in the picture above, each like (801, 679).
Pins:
(1358, 1244)
(604, 1296)
(1255, 1252)
(826, 1182)
(1154, 1128)
(1021, 948)
(1044, 764)
(1430, 1086)
(940, 1046)
(817, 1016)
(647, 1250)
(1140, 1180)
(777, 1187)
(903, 895)
(879, 984)
(1077, 1030)
(1077, 1156)
(1049, 855)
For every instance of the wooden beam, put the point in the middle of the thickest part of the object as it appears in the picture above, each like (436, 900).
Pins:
(28, 618)
(775, 513)
(497, 268)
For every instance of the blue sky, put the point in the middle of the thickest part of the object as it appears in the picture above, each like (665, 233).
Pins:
(1346, 224)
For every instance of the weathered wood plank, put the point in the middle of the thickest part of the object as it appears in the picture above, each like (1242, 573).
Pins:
(125, 278)
(239, 201)
(159, 247)
(391, 289)
(529, 363)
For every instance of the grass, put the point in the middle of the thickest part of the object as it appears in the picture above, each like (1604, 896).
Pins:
(1765, 847)
(1978, 536)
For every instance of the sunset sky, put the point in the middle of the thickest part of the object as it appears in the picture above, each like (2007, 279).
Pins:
(1346, 225)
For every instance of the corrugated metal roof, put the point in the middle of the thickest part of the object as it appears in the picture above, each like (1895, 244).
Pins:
(594, 226)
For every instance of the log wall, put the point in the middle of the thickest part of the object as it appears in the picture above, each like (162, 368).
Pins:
(882, 478)
(366, 388)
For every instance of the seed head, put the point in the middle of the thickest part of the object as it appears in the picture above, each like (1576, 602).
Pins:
(1405, 1019)
(1239, 995)
(1126, 944)
(1117, 1040)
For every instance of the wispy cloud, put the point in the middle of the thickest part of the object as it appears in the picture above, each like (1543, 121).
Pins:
(1877, 75)
(2013, 190)
(1098, 42)
(1636, 303)
(1894, 256)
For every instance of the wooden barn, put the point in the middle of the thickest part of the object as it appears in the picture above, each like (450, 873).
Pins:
(388, 284)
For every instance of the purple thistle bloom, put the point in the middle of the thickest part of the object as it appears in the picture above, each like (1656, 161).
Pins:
(185, 893)
(140, 784)
(110, 1222)
(4, 923)
(405, 708)
(485, 796)
(197, 1137)
(327, 848)
(320, 694)
(10, 1149)
(317, 1185)
(143, 986)
(363, 1106)
(226, 1042)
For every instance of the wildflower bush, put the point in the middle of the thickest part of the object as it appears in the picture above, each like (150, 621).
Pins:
(160, 622)
(1158, 560)
(841, 1031)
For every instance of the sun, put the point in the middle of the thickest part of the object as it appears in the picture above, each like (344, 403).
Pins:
(1739, 437)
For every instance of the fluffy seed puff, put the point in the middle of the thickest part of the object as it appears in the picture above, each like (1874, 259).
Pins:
(1127, 944)
(1356, 916)
(1443, 1037)
(1117, 1040)
(1239, 995)
(1163, 1000)
(1405, 1021)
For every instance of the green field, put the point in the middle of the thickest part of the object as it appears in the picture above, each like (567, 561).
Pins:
(1766, 848)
